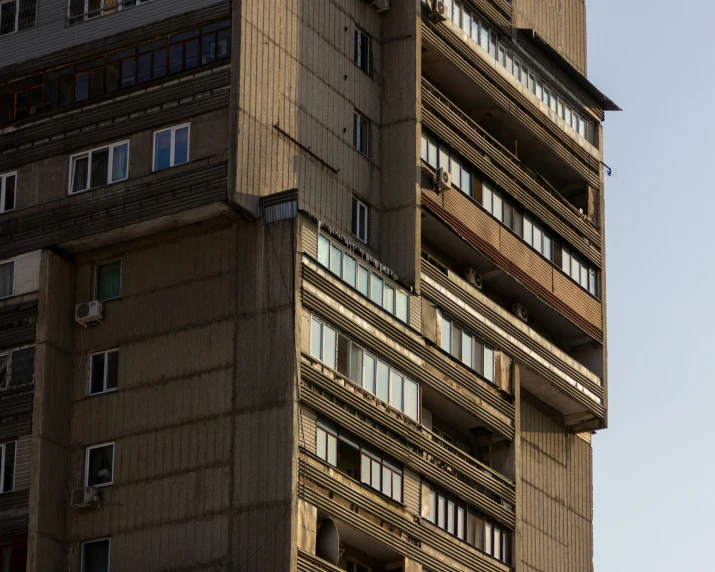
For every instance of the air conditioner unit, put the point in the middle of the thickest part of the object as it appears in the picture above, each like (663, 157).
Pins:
(86, 497)
(473, 277)
(520, 312)
(444, 179)
(381, 5)
(438, 12)
(88, 313)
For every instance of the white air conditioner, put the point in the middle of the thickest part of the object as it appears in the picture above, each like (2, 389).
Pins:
(86, 497)
(438, 12)
(520, 312)
(473, 277)
(444, 179)
(88, 313)
(381, 5)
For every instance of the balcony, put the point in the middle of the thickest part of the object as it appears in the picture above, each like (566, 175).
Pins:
(495, 100)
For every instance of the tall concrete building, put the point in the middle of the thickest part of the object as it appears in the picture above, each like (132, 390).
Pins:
(308, 285)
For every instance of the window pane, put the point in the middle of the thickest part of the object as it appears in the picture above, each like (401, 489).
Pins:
(356, 362)
(423, 149)
(386, 487)
(177, 58)
(329, 340)
(113, 78)
(411, 399)
(332, 450)
(181, 146)
(362, 285)
(128, 72)
(321, 444)
(397, 487)
(446, 338)
(389, 301)
(368, 379)
(324, 251)
(79, 176)
(159, 63)
(336, 260)
(375, 473)
(120, 162)
(192, 54)
(461, 531)
(440, 511)
(162, 150)
(376, 289)
(487, 202)
(208, 48)
(99, 168)
(81, 87)
(9, 468)
(450, 517)
(401, 310)
(365, 469)
(432, 507)
(112, 369)
(96, 384)
(432, 154)
(467, 349)
(383, 373)
(498, 209)
(528, 230)
(349, 270)
(97, 82)
(315, 338)
(144, 68)
(108, 280)
(96, 556)
(488, 538)
(9, 203)
(223, 45)
(100, 465)
(7, 279)
(489, 363)
(396, 398)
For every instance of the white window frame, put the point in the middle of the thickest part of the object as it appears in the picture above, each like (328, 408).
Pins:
(172, 155)
(3, 263)
(359, 120)
(104, 378)
(360, 37)
(3, 189)
(16, 27)
(87, 453)
(3, 451)
(110, 166)
(96, 278)
(356, 222)
(109, 551)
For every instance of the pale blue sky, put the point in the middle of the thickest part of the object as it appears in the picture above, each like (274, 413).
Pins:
(654, 492)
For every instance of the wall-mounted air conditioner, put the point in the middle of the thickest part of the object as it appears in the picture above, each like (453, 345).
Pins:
(444, 179)
(520, 312)
(86, 497)
(438, 12)
(88, 313)
(381, 5)
(473, 277)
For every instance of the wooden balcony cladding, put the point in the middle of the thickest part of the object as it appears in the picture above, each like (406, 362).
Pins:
(506, 332)
(317, 488)
(114, 206)
(17, 324)
(13, 525)
(515, 257)
(443, 118)
(113, 118)
(479, 71)
(406, 352)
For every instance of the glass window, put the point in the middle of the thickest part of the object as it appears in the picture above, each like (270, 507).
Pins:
(108, 280)
(361, 137)
(411, 399)
(467, 349)
(432, 154)
(324, 251)
(7, 279)
(7, 192)
(95, 556)
(396, 397)
(103, 374)
(99, 465)
(376, 289)
(368, 378)
(402, 304)
(99, 167)
(389, 300)
(498, 207)
(329, 346)
(383, 381)
(359, 220)
(171, 147)
(349, 266)
(446, 336)
(336, 260)
(316, 337)
(488, 363)
(362, 50)
(7, 467)
(363, 280)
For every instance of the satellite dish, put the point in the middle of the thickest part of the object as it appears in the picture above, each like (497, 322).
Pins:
(327, 542)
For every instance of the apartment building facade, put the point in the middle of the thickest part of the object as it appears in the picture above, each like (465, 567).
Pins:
(299, 285)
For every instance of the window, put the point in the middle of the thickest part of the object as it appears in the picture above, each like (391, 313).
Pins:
(109, 72)
(537, 238)
(380, 473)
(17, 367)
(323, 340)
(355, 566)
(468, 348)
(447, 511)
(171, 147)
(99, 465)
(81, 10)
(95, 555)
(108, 280)
(496, 542)
(7, 279)
(7, 466)
(362, 134)
(369, 283)
(99, 167)
(438, 155)
(579, 272)
(8, 183)
(103, 372)
(359, 220)
(362, 50)
(16, 15)
(327, 443)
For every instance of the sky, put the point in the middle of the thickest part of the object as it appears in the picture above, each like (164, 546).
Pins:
(654, 467)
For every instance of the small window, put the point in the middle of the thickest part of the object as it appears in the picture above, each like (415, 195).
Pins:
(95, 555)
(16, 15)
(7, 279)
(108, 280)
(99, 167)
(7, 467)
(171, 147)
(362, 134)
(359, 220)
(362, 50)
(17, 367)
(8, 183)
(99, 465)
(103, 374)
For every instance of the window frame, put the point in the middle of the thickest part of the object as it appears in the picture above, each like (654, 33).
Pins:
(110, 166)
(96, 279)
(9, 353)
(172, 155)
(87, 454)
(3, 263)
(357, 206)
(3, 452)
(104, 378)
(16, 27)
(361, 36)
(435, 492)
(3, 191)
(108, 539)
(358, 119)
